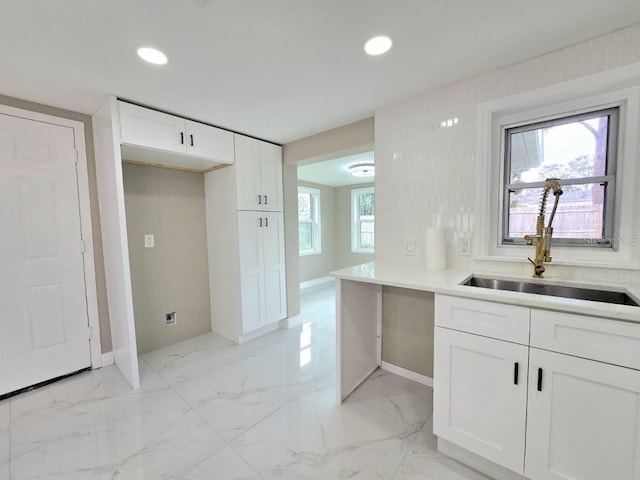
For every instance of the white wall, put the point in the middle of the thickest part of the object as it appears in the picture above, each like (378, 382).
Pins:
(427, 176)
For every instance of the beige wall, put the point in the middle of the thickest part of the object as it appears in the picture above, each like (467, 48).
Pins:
(103, 309)
(173, 276)
(346, 140)
(319, 265)
(407, 329)
(344, 256)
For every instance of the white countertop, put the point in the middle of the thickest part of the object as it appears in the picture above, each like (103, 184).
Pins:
(448, 282)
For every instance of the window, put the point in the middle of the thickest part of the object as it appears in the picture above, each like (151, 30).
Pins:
(308, 220)
(362, 220)
(580, 151)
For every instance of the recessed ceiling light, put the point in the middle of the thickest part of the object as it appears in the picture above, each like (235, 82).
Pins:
(363, 170)
(378, 45)
(152, 55)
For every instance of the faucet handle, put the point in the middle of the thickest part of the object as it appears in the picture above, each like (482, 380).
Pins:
(532, 262)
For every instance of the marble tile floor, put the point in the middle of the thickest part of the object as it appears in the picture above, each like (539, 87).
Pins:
(209, 409)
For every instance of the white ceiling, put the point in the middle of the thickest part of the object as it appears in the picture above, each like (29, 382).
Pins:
(335, 173)
(277, 69)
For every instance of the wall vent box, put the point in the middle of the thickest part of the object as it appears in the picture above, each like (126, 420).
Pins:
(170, 318)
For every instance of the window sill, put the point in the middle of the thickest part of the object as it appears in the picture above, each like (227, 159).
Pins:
(310, 252)
(363, 252)
(564, 263)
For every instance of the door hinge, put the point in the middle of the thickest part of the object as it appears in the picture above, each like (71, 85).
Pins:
(83, 246)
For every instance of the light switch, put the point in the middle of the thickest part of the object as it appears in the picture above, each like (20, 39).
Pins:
(149, 241)
(409, 246)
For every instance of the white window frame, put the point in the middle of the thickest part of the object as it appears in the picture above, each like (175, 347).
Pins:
(355, 221)
(608, 179)
(316, 222)
(613, 88)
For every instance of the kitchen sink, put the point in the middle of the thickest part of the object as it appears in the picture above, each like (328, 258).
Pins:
(554, 290)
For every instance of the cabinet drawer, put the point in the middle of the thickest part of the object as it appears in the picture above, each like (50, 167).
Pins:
(600, 339)
(504, 322)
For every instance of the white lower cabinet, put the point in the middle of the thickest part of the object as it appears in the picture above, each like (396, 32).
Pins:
(480, 395)
(583, 419)
(262, 269)
(563, 417)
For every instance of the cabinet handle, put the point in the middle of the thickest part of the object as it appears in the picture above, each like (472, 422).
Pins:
(259, 199)
(539, 379)
(515, 373)
(181, 138)
(266, 222)
(191, 137)
(266, 200)
(260, 221)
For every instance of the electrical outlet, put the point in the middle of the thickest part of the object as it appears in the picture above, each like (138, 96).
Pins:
(170, 318)
(149, 240)
(464, 247)
(409, 246)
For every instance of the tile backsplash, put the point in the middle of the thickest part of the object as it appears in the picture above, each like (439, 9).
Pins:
(426, 154)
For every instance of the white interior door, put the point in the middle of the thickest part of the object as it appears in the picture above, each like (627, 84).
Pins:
(43, 311)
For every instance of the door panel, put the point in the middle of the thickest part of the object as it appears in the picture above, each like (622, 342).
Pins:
(477, 403)
(271, 176)
(251, 270)
(274, 265)
(248, 173)
(152, 129)
(43, 311)
(210, 142)
(584, 424)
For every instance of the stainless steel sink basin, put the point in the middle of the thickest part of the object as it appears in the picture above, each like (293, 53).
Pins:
(605, 296)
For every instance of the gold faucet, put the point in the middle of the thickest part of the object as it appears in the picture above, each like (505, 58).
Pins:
(544, 234)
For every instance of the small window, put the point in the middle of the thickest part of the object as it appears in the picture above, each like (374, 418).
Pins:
(580, 150)
(363, 220)
(308, 220)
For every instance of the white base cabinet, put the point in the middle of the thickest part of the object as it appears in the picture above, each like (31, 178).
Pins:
(480, 394)
(554, 417)
(583, 419)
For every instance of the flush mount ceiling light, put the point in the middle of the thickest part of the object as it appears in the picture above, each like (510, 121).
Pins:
(363, 170)
(152, 55)
(377, 45)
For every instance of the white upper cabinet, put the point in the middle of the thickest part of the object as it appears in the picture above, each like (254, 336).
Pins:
(175, 141)
(258, 175)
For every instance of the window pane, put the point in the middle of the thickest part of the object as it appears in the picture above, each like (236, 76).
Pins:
(367, 227)
(304, 207)
(576, 149)
(366, 203)
(305, 236)
(580, 212)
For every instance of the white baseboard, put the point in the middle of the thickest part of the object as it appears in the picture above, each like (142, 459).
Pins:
(403, 372)
(477, 462)
(292, 321)
(315, 281)
(258, 333)
(107, 359)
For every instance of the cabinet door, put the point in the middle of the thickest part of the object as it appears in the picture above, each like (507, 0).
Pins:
(251, 270)
(209, 142)
(271, 177)
(274, 267)
(149, 128)
(584, 424)
(248, 173)
(479, 404)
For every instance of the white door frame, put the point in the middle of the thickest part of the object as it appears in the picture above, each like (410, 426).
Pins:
(85, 221)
